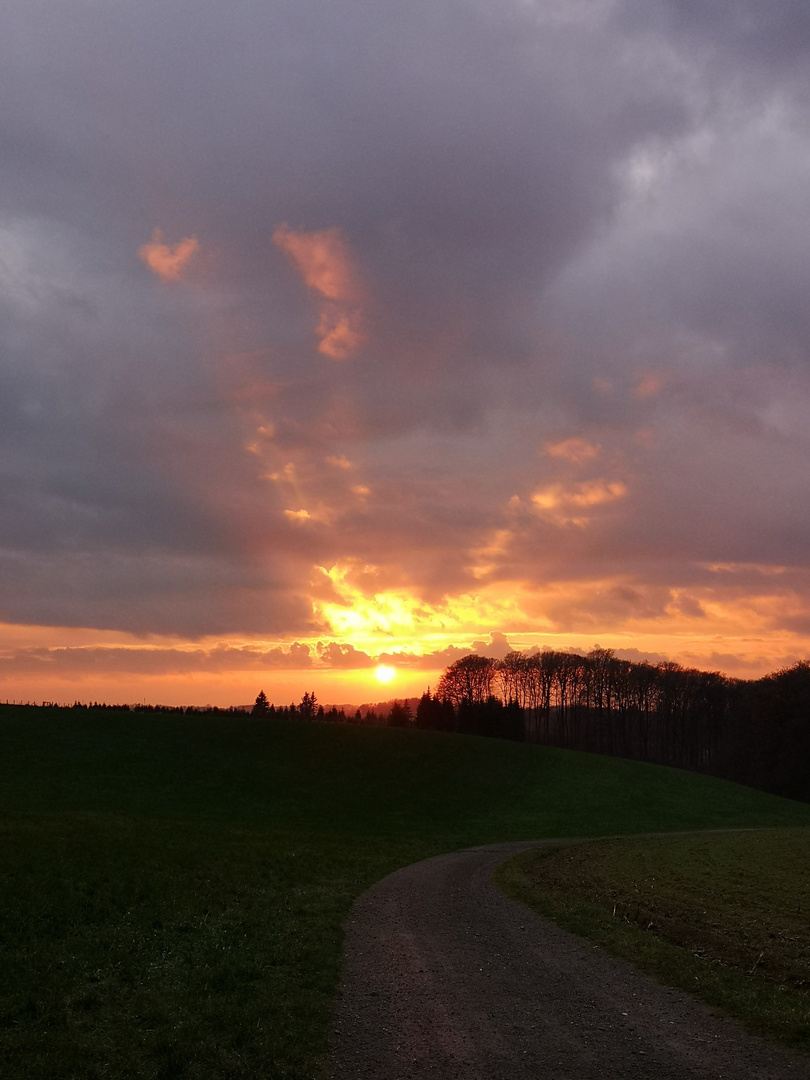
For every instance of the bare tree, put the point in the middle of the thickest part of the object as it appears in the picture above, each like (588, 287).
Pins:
(468, 679)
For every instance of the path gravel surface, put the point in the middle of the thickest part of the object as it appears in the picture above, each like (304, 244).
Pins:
(446, 977)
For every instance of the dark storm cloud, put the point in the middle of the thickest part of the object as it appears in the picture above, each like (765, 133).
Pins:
(777, 34)
(558, 221)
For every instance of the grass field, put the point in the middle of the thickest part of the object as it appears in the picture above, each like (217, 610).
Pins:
(722, 916)
(172, 888)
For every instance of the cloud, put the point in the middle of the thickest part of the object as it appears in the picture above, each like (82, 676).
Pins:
(79, 662)
(560, 503)
(323, 260)
(648, 386)
(774, 36)
(563, 246)
(165, 260)
(325, 264)
(340, 332)
(337, 655)
(575, 450)
(497, 647)
(436, 660)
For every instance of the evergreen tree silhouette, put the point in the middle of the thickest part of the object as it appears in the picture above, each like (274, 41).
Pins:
(261, 706)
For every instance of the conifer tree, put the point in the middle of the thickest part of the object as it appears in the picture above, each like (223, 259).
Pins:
(261, 706)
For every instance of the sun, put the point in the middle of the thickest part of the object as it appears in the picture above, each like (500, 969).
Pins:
(385, 673)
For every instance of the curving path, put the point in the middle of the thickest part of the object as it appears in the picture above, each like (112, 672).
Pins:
(445, 977)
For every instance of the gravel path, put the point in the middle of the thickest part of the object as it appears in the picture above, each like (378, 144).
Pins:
(445, 977)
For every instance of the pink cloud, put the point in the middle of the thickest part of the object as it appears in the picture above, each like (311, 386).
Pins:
(166, 260)
(574, 450)
(326, 267)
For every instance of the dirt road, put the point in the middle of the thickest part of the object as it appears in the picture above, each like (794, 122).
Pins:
(445, 977)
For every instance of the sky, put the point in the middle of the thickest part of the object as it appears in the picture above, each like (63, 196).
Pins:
(337, 334)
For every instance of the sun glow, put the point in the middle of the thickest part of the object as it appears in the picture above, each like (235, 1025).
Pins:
(385, 673)
(356, 606)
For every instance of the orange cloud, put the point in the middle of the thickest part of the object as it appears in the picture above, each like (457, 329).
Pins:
(340, 332)
(647, 386)
(167, 261)
(574, 450)
(323, 260)
(591, 493)
(319, 515)
(560, 503)
(326, 267)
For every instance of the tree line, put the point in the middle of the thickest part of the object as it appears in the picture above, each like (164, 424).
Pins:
(399, 713)
(755, 732)
(600, 703)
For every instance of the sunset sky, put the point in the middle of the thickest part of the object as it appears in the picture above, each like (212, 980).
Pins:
(336, 333)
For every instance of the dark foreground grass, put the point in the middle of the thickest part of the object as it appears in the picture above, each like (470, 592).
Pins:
(172, 888)
(721, 916)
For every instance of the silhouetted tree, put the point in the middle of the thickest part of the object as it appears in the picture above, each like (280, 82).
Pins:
(492, 718)
(469, 679)
(434, 714)
(400, 715)
(261, 706)
(513, 675)
(308, 707)
(768, 745)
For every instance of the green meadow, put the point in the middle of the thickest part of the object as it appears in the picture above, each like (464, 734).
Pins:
(172, 888)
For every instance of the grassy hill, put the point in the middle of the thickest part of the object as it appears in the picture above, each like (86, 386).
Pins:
(172, 888)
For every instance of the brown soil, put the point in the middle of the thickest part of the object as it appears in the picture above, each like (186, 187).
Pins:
(445, 977)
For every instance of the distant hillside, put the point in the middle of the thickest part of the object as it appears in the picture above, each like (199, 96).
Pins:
(378, 707)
